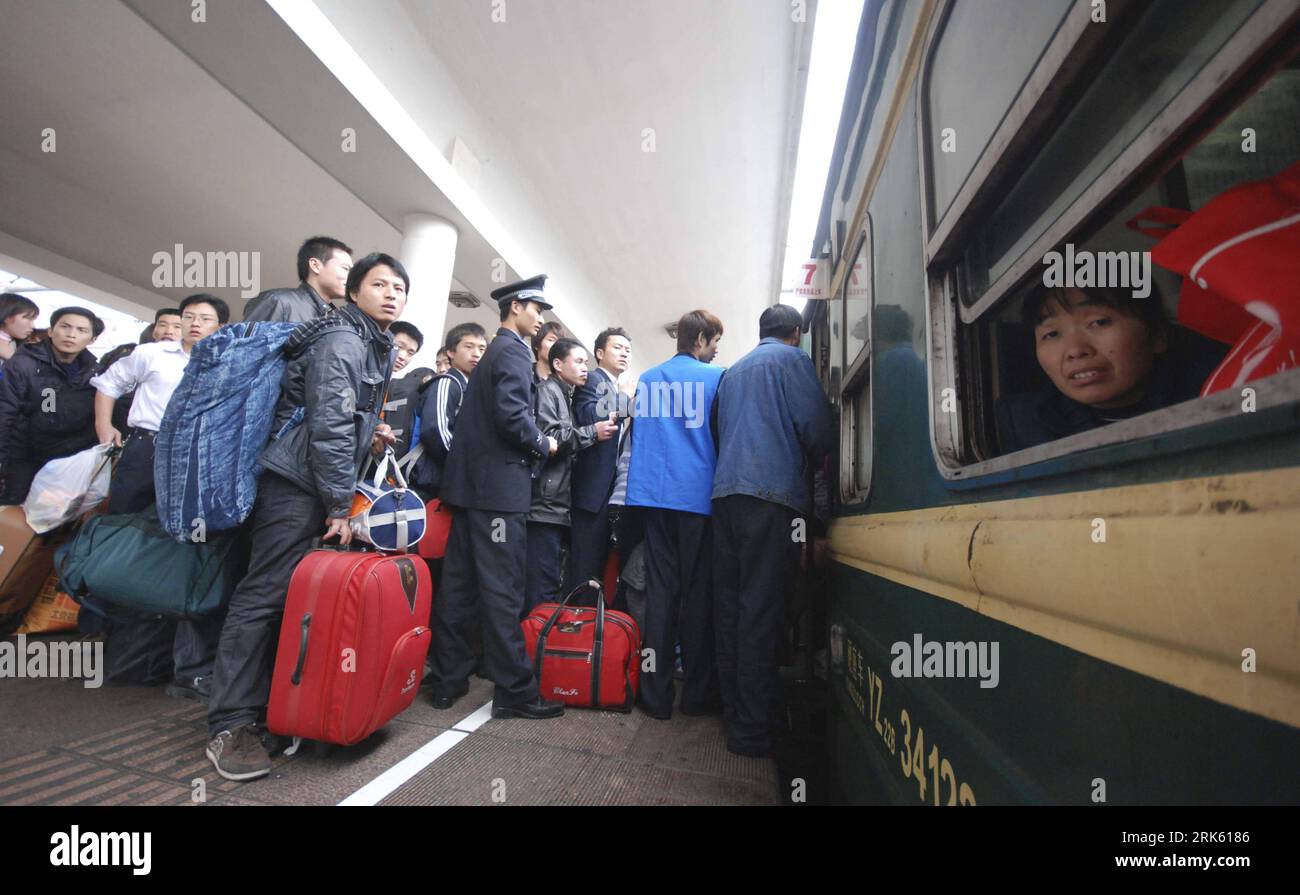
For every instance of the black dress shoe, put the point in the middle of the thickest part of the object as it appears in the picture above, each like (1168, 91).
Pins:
(749, 750)
(445, 701)
(658, 716)
(537, 709)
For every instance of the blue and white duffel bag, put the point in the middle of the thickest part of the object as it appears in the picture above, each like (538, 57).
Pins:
(387, 514)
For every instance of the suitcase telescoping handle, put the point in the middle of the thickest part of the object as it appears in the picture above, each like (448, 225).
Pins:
(296, 677)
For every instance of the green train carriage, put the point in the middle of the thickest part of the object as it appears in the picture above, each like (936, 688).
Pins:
(1141, 581)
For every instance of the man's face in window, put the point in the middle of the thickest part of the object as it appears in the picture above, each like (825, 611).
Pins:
(1095, 354)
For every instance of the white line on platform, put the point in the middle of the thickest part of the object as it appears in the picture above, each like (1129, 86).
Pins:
(390, 780)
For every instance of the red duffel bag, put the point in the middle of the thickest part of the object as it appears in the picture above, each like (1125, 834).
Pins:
(1239, 257)
(437, 530)
(583, 656)
(352, 645)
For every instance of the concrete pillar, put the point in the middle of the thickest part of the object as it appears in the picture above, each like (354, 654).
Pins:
(429, 253)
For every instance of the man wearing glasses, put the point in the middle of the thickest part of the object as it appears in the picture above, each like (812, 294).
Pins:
(153, 371)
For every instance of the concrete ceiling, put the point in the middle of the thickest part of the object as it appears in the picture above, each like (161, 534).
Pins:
(224, 137)
(150, 151)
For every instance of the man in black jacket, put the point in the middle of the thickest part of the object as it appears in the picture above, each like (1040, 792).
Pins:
(323, 265)
(441, 398)
(47, 404)
(548, 517)
(487, 483)
(338, 371)
(593, 471)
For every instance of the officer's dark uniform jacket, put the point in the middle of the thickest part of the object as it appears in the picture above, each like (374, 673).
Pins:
(497, 441)
(338, 370)
(551, 491)
(297, 305)
(28, 432)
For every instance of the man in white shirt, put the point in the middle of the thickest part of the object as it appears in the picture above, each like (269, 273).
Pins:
(153, 371)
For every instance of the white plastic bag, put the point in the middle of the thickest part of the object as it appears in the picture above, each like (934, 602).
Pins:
(67, 487)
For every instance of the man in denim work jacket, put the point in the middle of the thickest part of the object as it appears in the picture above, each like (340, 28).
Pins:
(773, 425)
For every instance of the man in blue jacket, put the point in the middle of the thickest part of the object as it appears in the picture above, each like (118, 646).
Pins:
(773, 426)
(671, 478)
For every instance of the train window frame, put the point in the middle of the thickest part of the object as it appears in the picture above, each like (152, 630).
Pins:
(1238, 68)
(856, 378)
(1206, 88)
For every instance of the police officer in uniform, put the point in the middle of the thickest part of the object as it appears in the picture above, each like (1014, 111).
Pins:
(487, 482)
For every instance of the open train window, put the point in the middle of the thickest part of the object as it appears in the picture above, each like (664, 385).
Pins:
(1182, 106)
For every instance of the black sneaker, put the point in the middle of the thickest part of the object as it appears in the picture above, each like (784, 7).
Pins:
(239, 755)
(536, 710)
(196, 688)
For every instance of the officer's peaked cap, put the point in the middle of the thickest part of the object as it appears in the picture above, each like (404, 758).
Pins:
(530, 289)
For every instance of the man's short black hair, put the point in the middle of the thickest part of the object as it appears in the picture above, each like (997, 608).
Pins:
(543, 331)
(694, 324)
(462, 331)
(401, 327)
(115, 355)
(1149, 310)
(779, 322)
(322, 249)
(603, 339)
(205, 298)
(163, 312)
(562, 349)
(12, 304)
(361, 269)
(96, 325)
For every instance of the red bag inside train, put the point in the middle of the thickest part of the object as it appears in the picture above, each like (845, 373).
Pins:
(1239, 257)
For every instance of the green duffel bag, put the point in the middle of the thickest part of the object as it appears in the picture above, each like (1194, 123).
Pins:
(131, 562)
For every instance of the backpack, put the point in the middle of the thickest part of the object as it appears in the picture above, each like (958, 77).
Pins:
(216, 425)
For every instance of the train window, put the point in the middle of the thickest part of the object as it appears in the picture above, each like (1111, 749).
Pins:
(855, 413)
(1022, 399)
(1167, 45)
(972, 82)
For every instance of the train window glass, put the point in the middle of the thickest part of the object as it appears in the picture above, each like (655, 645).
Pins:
(857, 300)
(1167, 45)
(980, 62)
(1268, 121)
(855, 415)
(1042, 393)
(885, 383)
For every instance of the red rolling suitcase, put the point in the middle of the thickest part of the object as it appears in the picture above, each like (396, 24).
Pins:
(352, 645)
(583, 656)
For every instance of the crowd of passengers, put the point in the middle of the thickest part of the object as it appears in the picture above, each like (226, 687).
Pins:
(526, 430)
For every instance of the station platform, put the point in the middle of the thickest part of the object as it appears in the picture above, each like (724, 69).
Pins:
(64, 744)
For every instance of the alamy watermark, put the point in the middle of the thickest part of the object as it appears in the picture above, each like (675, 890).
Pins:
(679, 400)
(948, 658)
(1083, 269)
(208, 270)
(39, 659)
(77, 849)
